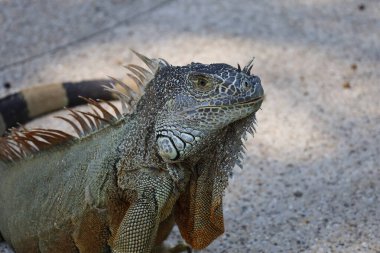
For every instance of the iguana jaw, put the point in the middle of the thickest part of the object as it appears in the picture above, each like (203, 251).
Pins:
(227, 104)
(253, 101)
(185, 138)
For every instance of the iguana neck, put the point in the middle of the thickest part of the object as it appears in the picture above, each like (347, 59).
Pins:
(139, 138)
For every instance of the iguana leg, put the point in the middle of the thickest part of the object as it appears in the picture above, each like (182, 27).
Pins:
(138, 229)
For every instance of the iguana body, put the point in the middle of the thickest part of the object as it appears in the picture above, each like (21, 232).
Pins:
(120, 188)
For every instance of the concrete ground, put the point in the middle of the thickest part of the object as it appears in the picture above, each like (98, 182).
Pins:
(311, 180)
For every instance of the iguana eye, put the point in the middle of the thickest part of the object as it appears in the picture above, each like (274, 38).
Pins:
(201, 83)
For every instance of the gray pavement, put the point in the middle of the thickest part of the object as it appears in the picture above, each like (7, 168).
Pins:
(311, 178)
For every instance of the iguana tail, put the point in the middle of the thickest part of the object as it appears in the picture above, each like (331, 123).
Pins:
(29, 103)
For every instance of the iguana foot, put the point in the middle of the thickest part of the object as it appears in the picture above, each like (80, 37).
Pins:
(180, 247)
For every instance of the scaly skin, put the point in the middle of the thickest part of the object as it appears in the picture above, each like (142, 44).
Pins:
(122, 188)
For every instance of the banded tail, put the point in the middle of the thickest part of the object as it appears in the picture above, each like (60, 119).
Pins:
(29, 103)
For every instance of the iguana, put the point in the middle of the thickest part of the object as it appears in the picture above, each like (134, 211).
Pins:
(129, 177)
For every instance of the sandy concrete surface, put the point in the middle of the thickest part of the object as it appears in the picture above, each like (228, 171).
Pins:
(311, 180)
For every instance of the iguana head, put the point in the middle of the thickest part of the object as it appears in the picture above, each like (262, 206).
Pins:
(195, 116)
(201, 100)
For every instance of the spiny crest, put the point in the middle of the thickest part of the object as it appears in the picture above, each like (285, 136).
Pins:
(231, 153)
(85, 123)
(247, 68)
(23, 142)
(237, 146)
(140, 76)
(249, 129)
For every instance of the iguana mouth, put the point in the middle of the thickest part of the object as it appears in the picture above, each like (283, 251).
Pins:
(237, 103)
(252, 101)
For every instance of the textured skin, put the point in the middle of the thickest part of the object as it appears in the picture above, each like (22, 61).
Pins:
(122, 188)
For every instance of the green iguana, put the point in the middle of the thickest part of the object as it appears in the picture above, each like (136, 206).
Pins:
(129, 177)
